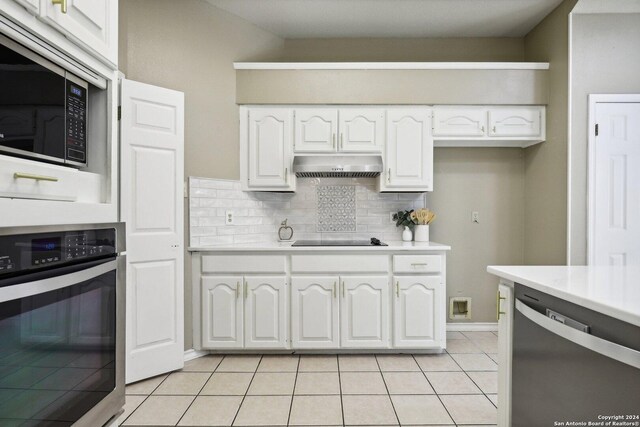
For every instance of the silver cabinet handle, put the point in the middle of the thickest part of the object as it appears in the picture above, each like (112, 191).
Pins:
(246, 290)
(341, 141)
(389, 176)
(398, 289)
(286, 175)
(344, 294)
(237, 289)
(334, 289)
(482, 128)
(493, 129)
(24, 175)
(333, 144)
(416, 264)
(609, 349)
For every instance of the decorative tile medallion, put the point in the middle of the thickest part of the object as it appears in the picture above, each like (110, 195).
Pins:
(336, 208)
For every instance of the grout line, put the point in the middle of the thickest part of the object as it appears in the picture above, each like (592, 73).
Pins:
(146, 397)
(434, 390)
(387, 388)
(247, 391)
(340, 389)
(293, 391)
(200, 391)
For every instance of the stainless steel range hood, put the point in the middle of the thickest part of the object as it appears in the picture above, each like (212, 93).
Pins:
(309, 166)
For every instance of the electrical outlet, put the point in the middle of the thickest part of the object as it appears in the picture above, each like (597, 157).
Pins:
(228, 217)
(475, 217)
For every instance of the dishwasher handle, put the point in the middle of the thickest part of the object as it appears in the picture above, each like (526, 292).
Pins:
(609, 349)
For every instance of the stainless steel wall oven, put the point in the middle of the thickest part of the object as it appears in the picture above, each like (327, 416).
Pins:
(61, 325)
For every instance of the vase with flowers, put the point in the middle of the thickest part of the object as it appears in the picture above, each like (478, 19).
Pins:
(416, 220)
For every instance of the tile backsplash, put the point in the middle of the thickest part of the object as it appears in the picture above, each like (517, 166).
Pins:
(321, 208)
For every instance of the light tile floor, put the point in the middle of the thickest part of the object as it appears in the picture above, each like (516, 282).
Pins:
(454, 388)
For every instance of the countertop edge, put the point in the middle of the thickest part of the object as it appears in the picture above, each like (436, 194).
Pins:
(277, 247)
(608, 310)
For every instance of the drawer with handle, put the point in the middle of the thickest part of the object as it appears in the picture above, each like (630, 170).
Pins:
(26, 179)
(417, 263)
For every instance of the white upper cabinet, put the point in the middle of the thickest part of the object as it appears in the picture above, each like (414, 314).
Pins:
(417, 310)
(488, 126)
(409, 152)
(265, 312)
(457, 121)
(361, 130)
(515, 121)
(365, 312)
(92, 24)
(315, 312)
(270, 149)
(222, 312)
(316, 130)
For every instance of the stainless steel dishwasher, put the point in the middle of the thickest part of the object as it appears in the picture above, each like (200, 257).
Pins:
(571, 364)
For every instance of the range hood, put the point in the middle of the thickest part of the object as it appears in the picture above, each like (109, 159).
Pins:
(309, 166)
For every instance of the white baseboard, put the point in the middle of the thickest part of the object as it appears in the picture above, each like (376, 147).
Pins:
(471, 327)
(193, 354)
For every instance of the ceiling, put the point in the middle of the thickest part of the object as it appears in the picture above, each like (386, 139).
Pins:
(391, 18)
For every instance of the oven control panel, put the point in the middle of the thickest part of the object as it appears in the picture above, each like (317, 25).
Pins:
(34, 251)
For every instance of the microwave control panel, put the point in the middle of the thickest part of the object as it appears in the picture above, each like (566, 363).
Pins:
(76, 124)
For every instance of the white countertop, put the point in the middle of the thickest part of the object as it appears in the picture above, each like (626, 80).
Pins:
(286, 247)
(614, 291)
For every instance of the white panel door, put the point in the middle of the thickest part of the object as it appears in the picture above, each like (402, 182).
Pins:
(417, 311)
(222, 315)
(515, 121)
(365, 312)
(265, 311)
(314, 312)
(315, 130)
(151, 203)
(93, 23)
(409, 159)
(270, 147)
(361, 130)
(615, 187)
(459, 121)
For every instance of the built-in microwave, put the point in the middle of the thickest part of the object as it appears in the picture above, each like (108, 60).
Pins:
(43, 108)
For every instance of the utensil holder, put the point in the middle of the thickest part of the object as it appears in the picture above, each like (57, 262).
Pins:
(421, 233)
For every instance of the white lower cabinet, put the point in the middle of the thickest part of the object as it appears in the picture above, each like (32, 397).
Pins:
(222, 304)
(315, 315)
(417, 311)
(365, 312)
(356, 305)
(265, 315)
(505, 304)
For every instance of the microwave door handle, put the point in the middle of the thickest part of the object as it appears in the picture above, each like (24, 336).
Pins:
(51, 283)
(609, 349)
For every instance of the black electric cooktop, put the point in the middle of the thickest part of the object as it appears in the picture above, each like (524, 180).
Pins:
(372, 242)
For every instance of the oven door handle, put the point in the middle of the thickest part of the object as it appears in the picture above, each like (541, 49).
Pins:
(53, 282)
(609, 349)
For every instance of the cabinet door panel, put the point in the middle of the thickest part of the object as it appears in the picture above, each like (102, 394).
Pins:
(93, 23)
(409, 149)
(314, 312)
(265, 312)
(418, 304)
(270, 147)
(456, 121)
(365, 312)
(361, 130)
(316, 130)
(222, 312)
(515, 121)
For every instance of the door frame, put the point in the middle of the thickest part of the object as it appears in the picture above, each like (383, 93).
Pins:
(593, 101)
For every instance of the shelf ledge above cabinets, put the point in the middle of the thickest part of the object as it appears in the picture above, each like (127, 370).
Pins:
(391, 65)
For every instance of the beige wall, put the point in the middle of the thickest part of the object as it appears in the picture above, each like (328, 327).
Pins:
(545, 177)
(604, 59)
(404, 49)
(487, 180)
(190, 46)
(421, 87)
